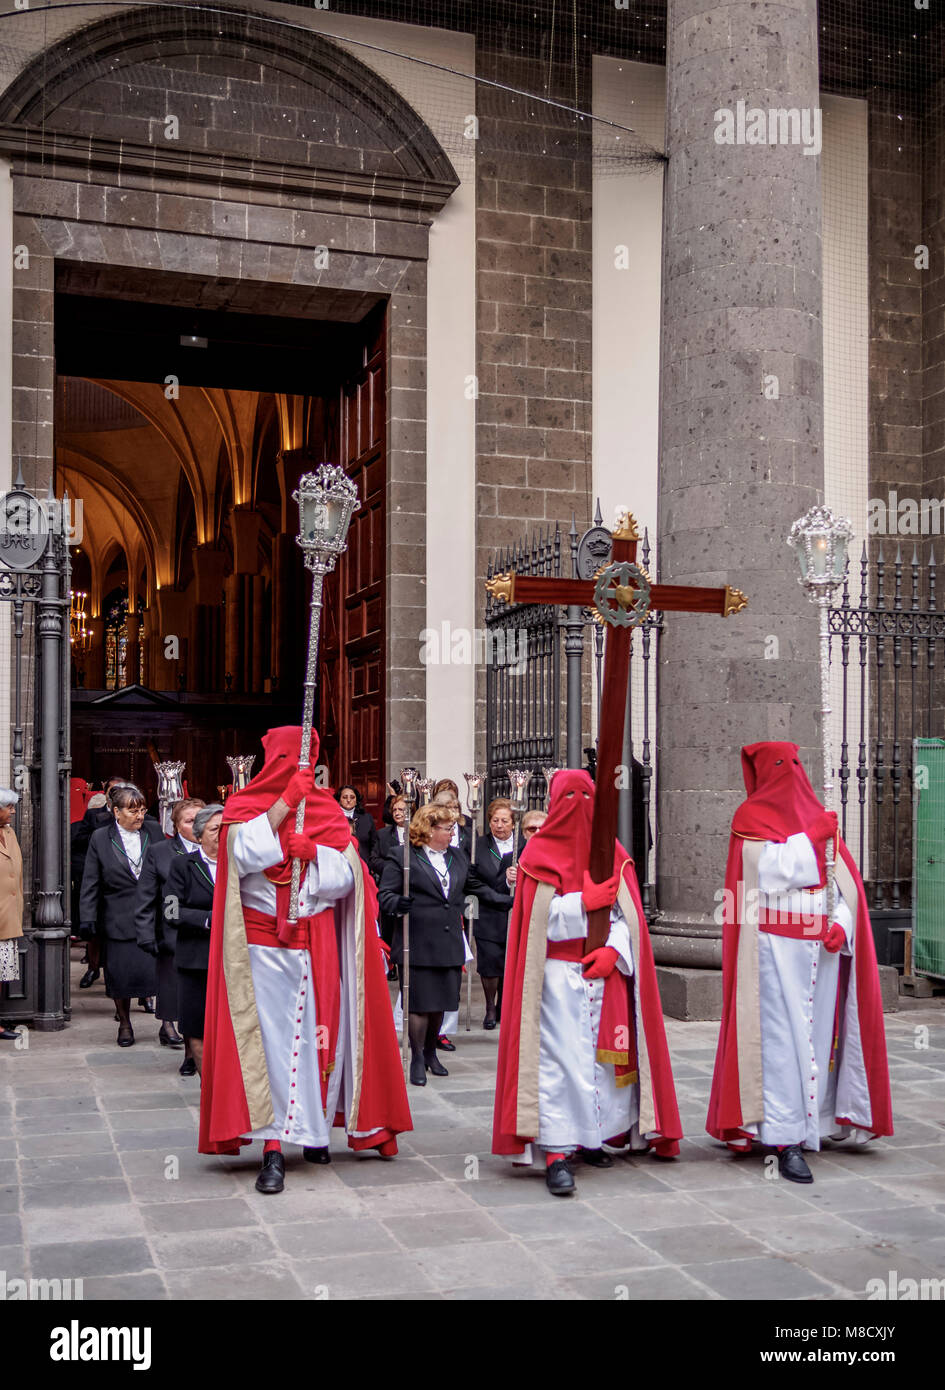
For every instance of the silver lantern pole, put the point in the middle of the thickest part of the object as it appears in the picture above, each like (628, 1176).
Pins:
(170, 790)
(820, 540)
(408, 782)
(327, 498)
(474, 782)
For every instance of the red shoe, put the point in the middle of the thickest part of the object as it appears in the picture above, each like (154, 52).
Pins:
(445, 1043)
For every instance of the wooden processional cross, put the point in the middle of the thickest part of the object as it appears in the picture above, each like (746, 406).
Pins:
(622, 594)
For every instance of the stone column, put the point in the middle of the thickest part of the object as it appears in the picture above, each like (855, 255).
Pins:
(741, 441)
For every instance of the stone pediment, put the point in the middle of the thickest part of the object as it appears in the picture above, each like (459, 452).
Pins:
(136, 697)
(177, 95)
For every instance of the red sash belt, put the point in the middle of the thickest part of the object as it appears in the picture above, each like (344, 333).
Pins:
(573, 950)
(813, 928)
(261, 930)
(616, 1041)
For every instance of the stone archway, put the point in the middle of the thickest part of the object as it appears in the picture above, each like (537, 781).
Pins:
(236, 216)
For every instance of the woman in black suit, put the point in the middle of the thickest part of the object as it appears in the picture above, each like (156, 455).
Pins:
(109, 897)
(157, 936)
(188, 896)
(362, 822)
(390, 841)
(440, 878)
(495, 854)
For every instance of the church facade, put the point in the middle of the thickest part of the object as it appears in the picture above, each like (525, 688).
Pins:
(679, 256)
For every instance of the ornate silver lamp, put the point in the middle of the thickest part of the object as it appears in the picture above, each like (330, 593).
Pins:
(327, 500)
(170, 790)
(548, 773)
(241, 766)
(425, 787)
(519, 779)
(820, 541)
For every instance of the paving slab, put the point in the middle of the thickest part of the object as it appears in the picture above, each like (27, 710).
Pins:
(100, 1180)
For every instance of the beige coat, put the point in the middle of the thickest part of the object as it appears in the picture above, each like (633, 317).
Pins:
(11, 886)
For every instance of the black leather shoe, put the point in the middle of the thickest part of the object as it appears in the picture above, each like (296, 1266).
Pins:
(444, 1044)
(392, 973)
(8, 1035)
(271, 1174)
(793, 1166)
(147, 1005)
(188, 1067)
(488, 1024)
(418, 1071)
(596, 1158)
(169, 1036)
(559, 1178)
(126, 1035)
(89, 978)
(434, 1064)
(317, 1155)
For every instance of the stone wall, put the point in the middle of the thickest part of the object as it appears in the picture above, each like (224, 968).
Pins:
(533, 247)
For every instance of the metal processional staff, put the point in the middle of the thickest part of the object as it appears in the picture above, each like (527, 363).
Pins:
(327, 498)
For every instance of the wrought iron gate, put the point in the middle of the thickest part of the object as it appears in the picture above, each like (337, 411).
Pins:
(35, 574)
(889, 650)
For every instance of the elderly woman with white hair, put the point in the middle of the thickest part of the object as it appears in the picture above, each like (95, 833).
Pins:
(11, 897)
(188, 895)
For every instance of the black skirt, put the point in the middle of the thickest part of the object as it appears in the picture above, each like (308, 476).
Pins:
(490, 958)
(130, 973)
(434, 989)
(192, 992)
(166, 1006)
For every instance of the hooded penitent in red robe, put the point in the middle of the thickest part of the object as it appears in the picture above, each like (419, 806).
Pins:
(631, 1034)
(234, 1095)
(781, 802)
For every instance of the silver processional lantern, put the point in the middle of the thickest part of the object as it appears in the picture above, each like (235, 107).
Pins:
(820, 541)
(327, 500)
(241, 766)
(170, 790)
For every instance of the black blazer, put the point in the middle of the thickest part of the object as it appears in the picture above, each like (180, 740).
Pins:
(150, 925)
(465, 839)
(109, 895)
(189, 883)
(436, 920)
(362, 823)
(492, 924)
(387, 844)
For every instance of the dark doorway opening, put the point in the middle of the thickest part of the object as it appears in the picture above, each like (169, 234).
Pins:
(184, 419)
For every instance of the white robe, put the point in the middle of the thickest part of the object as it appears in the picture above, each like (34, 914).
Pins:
(285, 998)
(798, 987)
(579, 1102)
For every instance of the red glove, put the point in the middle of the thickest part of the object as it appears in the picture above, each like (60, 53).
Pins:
(301, 847)
(600, 963)
(301, 785)
(822, 827)
(604, 894)
(835, 938)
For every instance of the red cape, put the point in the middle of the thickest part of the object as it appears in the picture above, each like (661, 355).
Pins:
(382, 1108)
(766, 816)
(505, 1140)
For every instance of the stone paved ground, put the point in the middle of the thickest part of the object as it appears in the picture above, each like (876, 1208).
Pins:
(92, 1134)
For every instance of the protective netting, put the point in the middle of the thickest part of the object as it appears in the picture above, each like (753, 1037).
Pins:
(526, 69)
